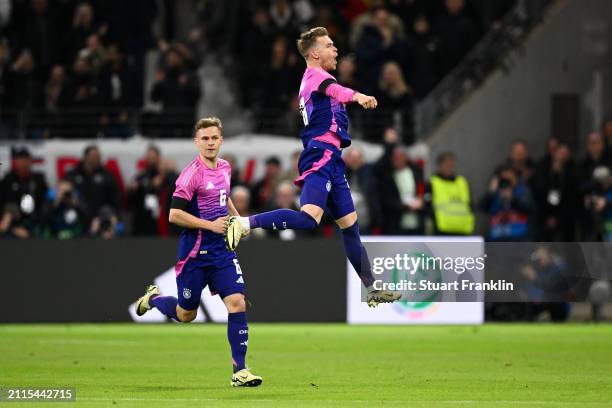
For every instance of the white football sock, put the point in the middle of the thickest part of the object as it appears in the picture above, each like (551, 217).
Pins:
(244, 221)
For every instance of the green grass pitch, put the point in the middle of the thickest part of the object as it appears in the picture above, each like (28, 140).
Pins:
(130, 365)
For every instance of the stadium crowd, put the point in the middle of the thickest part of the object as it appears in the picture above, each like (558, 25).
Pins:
(396, 50)
(75, 69)
(558, 198)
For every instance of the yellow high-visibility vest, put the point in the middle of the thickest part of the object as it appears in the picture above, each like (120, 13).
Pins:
(451, 205)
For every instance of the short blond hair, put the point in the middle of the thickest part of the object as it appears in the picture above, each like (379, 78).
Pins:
(309, 38)
(206, 123)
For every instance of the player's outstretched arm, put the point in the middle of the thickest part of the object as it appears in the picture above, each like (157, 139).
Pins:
(346, 95)
(186, 220)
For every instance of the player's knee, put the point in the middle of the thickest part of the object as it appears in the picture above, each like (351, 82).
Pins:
(186, 316)
(235, 303)
(347, 221)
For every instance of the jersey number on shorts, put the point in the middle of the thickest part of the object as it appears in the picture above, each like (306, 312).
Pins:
(222, 198)
(303, 111)
(237, 265)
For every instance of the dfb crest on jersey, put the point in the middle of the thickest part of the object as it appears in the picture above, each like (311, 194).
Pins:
(328, 185)
(227, 178)
(187, 293)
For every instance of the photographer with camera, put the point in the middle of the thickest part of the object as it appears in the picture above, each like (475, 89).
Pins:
(598, 206)
(547, 284)
(97, 189)
(555, 192)
(150, 194)
(65, 217)
(595, 189)
(22, 195)
(509, 204)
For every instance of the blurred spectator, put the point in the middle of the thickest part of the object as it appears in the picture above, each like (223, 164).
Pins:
(282, 18)
(241, 197)
(377, 44)
(117, 92)
(593, 170)
(236, 178)
(5, 57)
(509, 205)
(104, 224)
(38, 33)
(285, 197)
(85, 84)
(346, 71)
(23, 87)
(150, 194)
(347, 76)
(359, 176)
(83, 113)
(421, 52)
(293, 172)
(606, 131)
(179, 91)
(448, 196)
(410, 10)
(546, 274)
(519, 161)
(366, 19)
(326, 17)
(83, 25)
(275, 86)
(262, 192)
(493, 12)
(596, 155)
(400, 188)
(551, 146)
(555, 193)
(252, 50)
(22, 197)
(291, 122)
(5, 13)
(604, 206)
(598, 207)
(45, 35)
(58, 90)
(457, 32)
(395, 106)
(12, 225)
(58, 96)
(65, 218)
(98, 190)
(187, 51)
(94, 52)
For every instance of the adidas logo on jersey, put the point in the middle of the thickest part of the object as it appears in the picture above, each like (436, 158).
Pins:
(210, 186)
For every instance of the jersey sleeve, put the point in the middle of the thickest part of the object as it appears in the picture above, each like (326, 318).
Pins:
(186, 184)
(339, 92)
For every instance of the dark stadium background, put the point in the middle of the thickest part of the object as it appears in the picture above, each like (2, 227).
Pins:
(516, 90)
